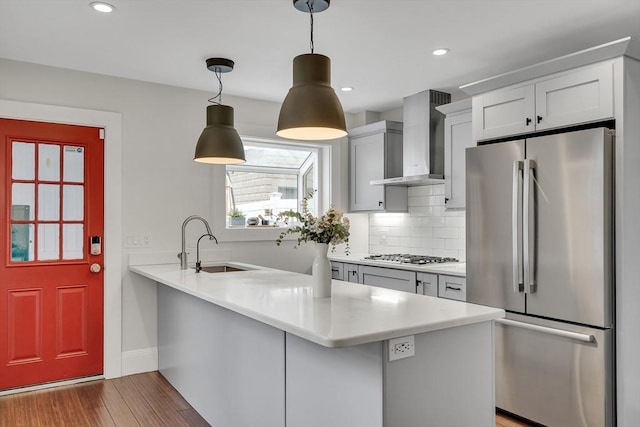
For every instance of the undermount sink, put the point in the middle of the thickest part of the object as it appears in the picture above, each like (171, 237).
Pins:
(220, 268)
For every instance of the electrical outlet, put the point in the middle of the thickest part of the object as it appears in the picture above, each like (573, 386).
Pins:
(384, 234)
(400, 348)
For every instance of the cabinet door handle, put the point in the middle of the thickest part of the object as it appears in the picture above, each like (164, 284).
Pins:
(527, 122)
(539, 118)
(379, 203)
(446, 200)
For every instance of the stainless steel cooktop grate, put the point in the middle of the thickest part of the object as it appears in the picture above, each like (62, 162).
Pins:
(410, 259)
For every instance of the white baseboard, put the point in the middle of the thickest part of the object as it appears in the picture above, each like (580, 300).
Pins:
(139, 361)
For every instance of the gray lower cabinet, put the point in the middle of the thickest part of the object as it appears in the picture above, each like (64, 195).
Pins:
(452, 287)
(400, 280)
(375, 153)
(430, 284)
(345, 271)
(427, 284)
(337, 270)
(352, 273)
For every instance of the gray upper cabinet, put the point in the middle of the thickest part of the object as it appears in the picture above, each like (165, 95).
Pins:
(578, 96)
(457, 138)
(375, 152)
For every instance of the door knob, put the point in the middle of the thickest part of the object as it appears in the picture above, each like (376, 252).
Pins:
(95, 268)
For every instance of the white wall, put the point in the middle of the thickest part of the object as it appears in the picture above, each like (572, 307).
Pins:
(427, 229)
(161, 183)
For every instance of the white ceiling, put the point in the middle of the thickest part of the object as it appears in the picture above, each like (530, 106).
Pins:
(380, 47)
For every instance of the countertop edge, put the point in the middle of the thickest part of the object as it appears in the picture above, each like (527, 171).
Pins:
(490, 315)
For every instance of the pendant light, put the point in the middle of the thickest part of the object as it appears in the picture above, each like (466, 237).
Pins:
(311, 109)
(219, 142)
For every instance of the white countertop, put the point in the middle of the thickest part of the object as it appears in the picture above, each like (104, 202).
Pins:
(449, 268)
(355, 314)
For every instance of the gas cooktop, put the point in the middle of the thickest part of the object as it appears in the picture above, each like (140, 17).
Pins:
(410, 259)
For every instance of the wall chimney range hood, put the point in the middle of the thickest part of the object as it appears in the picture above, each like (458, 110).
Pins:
(422, 141)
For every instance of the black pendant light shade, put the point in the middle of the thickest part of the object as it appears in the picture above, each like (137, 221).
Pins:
(311, 109)
(219, 142)
(317, 5)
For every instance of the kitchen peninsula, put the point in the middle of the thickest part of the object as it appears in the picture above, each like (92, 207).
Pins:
(254, 347)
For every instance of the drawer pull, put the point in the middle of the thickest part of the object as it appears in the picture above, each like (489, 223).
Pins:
(452, 288)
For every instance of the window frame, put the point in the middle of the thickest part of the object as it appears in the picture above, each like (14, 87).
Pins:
(322, 178)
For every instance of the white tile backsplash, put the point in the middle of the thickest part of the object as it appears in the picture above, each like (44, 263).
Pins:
(428, 228)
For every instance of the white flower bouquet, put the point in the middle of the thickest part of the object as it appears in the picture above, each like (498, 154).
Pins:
(331, 228)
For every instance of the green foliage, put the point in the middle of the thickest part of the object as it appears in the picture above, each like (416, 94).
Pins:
(331, 228)
(235, 213)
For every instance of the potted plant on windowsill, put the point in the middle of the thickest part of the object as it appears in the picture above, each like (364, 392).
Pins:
(236, 217)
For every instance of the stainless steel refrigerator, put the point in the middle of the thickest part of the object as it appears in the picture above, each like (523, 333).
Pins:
(540, 245)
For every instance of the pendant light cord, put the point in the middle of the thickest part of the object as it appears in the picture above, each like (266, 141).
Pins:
(310, 6)
(218, 74)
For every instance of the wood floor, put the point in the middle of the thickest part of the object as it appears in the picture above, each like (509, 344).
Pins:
(136, 400)
(145, 400)
(503, 420)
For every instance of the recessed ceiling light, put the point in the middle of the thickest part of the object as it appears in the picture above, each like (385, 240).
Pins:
(441, 51)
(346, 88)
(102, 7)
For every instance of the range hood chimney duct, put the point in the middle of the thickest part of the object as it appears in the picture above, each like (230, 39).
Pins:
(422, 140)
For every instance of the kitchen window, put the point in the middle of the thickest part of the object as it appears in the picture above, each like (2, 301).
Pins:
(275, 178)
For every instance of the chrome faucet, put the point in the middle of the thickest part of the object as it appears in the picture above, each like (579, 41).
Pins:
(198, 264)
(183, 254)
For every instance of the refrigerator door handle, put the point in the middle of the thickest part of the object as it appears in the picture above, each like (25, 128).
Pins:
(528, 227)
(551, 331)
(516, 228)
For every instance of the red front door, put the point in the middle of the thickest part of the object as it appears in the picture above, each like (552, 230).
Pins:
(51, 283)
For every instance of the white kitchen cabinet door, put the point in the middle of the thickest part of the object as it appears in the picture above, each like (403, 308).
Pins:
(570, 98)
(504, 112)
(457, 138)
(452, 287)
(579, 97)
